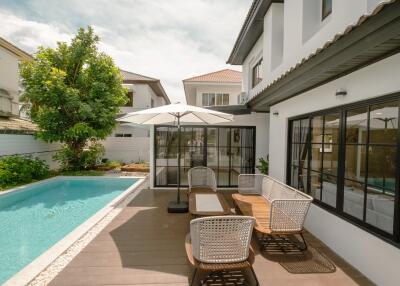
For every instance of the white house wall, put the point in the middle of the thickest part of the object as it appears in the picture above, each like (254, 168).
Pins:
(376, 259)
(293, 30)
(127, 149)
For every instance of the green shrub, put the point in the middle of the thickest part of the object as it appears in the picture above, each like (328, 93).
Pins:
(264, 165)
(15, 170)
(88, 158)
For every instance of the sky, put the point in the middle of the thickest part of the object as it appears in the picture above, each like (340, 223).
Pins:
(166, 39)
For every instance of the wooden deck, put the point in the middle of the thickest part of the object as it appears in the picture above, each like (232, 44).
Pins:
(144, 245)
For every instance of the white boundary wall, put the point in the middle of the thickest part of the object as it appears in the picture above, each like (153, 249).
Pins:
(376, 259)
(12, 144)
(127, 149)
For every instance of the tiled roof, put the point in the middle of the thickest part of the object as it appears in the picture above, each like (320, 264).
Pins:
(15, 124)
(226, 75)
(337, 37)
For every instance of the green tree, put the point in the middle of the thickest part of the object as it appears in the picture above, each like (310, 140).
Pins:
(73, 93)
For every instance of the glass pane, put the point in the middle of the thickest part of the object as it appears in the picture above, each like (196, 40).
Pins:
(332, 124)
(211, 99)
(234, 176)
(315, 179)
(226, 99)
(316, 157)
(212, 156)
(247, 137)
(236, 138)
(219, 99)
(355, 162)
(353, 199)
(224, 134)
(224, 157)
(295, 177)
(205, 99)
(247, 157)
(303, 156)
(223, 176)
(236, 157)
(161, 176)
(380, 209)
(384, 120)
(304, 129)
(382, 167)
(296, 131)
(186, 136)
(295, 154)
(184, 176)
(330, 162)
(317, 123)
(356, 126)
(303, 181)
(161, 134)
(212, 136)
(198, 137)
(329, 189)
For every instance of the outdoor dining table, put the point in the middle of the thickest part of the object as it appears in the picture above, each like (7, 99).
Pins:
(208, 204)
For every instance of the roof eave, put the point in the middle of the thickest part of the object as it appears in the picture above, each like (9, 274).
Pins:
(251, 30)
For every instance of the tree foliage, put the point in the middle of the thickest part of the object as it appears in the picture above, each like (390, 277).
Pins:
(74, 93)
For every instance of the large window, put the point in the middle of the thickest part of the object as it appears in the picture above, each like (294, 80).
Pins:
(212, 99)
(257, 74)
(347, 160)
(229, 151)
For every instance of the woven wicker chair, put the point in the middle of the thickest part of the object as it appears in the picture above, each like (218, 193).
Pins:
(278, 208)
(202, 179)
(220, 243)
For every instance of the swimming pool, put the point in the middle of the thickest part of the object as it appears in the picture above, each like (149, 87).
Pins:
(34, 219)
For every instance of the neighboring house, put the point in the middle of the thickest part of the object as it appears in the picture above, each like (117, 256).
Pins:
(130, 143)
(16, 133)
(229, 149)
(328, 73)
(218, 88)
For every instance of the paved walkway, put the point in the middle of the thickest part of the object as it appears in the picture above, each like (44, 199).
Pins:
(144, 245)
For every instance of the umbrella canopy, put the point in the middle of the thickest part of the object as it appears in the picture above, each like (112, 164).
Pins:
(172, 112)
(179, 113)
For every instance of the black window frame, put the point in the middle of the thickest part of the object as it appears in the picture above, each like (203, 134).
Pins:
(250, 167)
(256, 73)
(394, 238)
(324, 12)
(129, 95)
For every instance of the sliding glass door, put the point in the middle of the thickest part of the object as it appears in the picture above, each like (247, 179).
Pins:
(347, 159)
(229, 151)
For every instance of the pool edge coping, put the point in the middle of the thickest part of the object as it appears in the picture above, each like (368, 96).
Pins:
(27, 274)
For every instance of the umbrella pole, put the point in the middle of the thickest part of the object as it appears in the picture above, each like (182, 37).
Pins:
(178, 206)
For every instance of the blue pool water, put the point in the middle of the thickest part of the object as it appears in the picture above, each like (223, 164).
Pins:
(33, 220)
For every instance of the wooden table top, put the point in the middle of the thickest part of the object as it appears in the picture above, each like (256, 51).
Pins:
(256, 206)
(193, 207)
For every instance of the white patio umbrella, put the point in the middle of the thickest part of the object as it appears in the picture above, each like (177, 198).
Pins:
(176, 113)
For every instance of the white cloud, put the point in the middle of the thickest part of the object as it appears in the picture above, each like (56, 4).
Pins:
(170, 40)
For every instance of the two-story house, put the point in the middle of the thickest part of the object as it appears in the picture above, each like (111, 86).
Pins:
(327, 71)
(10, 121)
(129, 143)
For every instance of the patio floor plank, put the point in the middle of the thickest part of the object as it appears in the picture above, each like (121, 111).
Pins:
(144, 245)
